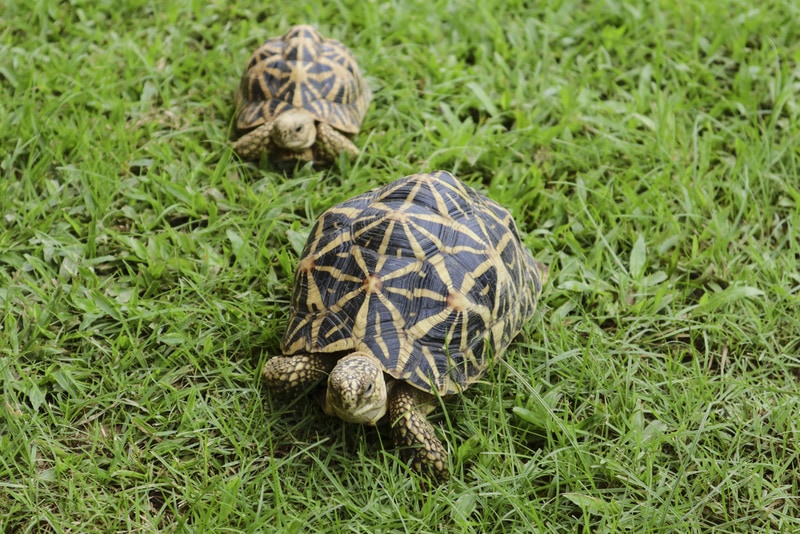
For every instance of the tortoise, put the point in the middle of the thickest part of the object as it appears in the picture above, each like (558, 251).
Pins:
(299, 98)
(402, 295)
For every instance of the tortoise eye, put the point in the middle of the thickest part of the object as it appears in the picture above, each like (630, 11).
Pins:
(298, 129)
(369, 389)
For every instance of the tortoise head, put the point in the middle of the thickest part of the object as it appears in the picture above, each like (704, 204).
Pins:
(357, 390)
(294, 129)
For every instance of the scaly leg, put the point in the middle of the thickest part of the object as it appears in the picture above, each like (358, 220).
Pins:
(287, 374)
(331, 141)
(252, 144)
(412, 431)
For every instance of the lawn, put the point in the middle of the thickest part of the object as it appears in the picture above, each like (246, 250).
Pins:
(649, 151)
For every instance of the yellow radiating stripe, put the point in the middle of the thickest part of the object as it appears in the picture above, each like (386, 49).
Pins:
(319, 227)
(427, 233)
(464, 330)
(299, 76)
(379, 265)
(387, 237)
(400, 327)
(296, 343)
(335, 309)
(355, 251)
(340, 345)
(332, 331)
(437, 382)
(387, 190)
(361, 319)
(504, 242)
(348, 211)
(460, 228)
(332, 244)
(368, 227)
(417, 292)
(419, 329)
(397, 318)
(485, 314)
(459, 191)
(359, 324)
(441, 204)
(467, 283)
(412, 267)
(416, 248)
(438, 263)
(314, 295)
(344, 299)
(484, 266)
(481, 222)
(414, 190)
(381, 204)
(337, 274)
(500, 332)
(379, 339)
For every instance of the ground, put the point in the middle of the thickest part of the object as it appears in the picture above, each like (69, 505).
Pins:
(647, 149)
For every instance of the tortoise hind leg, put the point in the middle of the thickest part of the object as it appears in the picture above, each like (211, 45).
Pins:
(287, 374)
(252, 144)
(330, 142)
(412, 431)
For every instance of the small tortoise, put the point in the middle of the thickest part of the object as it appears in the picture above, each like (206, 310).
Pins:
(299, 99)
(403, 294)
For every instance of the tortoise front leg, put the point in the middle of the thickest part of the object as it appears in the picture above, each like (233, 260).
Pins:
(412, 431)
(288, 374)
(252, 144)
(330, 142)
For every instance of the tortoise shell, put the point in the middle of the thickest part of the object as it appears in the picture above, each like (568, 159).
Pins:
(302, 70)
(426, 274)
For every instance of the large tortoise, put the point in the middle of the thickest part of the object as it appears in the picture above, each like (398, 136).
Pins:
(403, 294)
(300, 98)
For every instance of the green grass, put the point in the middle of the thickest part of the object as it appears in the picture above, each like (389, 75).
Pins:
(650, 150)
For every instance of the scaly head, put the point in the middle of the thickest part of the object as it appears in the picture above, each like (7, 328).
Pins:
(357, 390)
(294, 129)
